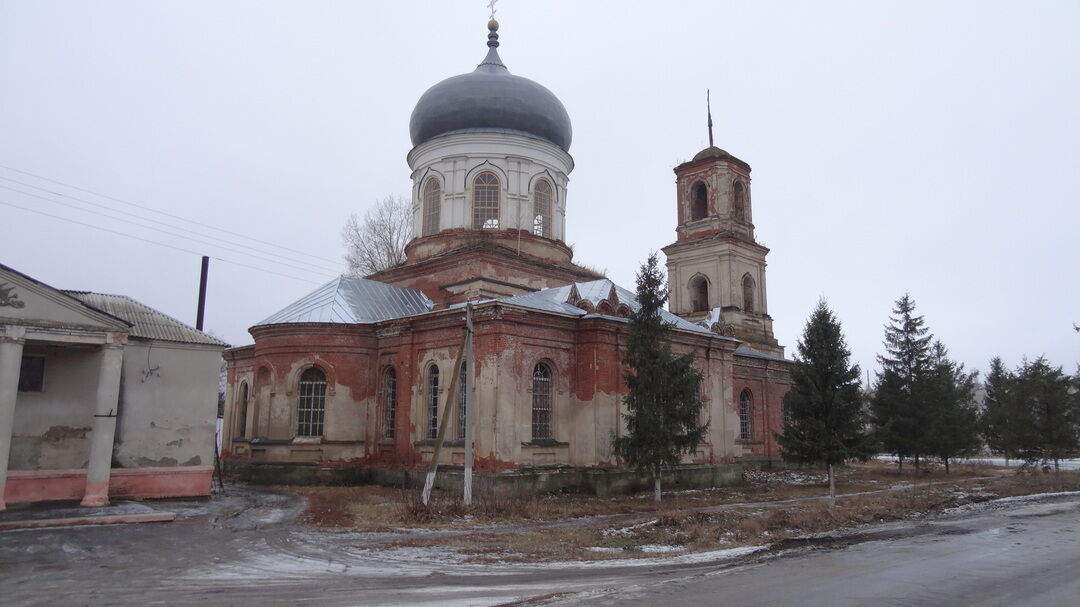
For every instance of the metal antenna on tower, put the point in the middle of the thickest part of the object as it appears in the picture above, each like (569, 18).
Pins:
(708, 110)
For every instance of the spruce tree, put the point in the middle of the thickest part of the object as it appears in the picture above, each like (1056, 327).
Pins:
(949, 397)
(998, 418)
(899, 418)
(1048, 411)
(824, 416)
(663, 401)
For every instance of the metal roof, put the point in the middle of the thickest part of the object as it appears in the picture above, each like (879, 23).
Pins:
(594, 291)
(749, 352)
(353, 300)
(490, 98)
(146, 322)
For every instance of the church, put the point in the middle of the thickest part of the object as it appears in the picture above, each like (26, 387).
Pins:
(358, 372)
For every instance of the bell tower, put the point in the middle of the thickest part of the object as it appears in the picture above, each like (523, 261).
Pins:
(716, 268)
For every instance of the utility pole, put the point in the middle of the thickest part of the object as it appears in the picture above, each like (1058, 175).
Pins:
(429, 482)
(470, 402)
(201, 313)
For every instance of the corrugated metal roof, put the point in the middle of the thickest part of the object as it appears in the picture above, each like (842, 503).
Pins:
(594, 291)
(146, 322)
(353, 300)
(749, 352)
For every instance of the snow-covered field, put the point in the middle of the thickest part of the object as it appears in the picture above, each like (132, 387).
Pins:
(1066, 464)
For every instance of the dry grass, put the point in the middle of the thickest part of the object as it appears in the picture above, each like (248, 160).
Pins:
(759, 512)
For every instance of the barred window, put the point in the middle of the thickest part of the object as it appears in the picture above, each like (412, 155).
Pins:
(541, 401)
(241, 411)
(32, 374)
(389, 402)
(746, 412)
(463, 390)
(312, 403)
(486, 201)
(433, 403)
(542, 209)
(432, 206)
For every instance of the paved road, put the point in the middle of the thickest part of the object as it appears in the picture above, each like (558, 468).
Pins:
(245, 551)
(1023, 554)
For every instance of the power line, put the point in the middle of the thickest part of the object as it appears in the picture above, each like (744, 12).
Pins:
(200, 241)
(153, 210)
(154, 242)
(166, 224)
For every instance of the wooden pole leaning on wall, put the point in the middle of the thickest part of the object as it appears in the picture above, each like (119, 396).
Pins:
(429, 482)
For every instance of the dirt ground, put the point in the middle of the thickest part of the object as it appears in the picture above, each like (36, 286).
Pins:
(769, 507)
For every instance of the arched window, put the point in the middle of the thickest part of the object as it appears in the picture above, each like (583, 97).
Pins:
(738, 201)
(433, 403)
(747, 293)
(542, 209)
(699, 201)
(432, 206)
(389, 402)
(746, 412)
(241, 411)
(261, 398)
(486, 201)
(699, 293)
(541, 401)
(311, 404)
(463, 390)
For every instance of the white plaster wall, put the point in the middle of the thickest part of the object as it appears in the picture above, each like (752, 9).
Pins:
(52, 428)
(518, 161)
(168, 405)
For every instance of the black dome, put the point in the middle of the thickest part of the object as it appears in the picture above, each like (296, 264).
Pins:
(490, 98)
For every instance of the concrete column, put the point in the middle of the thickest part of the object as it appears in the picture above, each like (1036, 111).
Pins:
(101, 440)
(11, 347)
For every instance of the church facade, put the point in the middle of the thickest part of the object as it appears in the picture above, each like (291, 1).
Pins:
(359, 371)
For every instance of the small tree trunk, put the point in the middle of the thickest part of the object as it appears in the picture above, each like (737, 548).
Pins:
(1057, 473)
(946, 465)
(900, 463)
(656, 486)
(832, 484)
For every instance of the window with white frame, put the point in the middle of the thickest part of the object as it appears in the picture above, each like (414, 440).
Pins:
(541, 401)
(389, 402)
(485, 198)
(542, 195)
(746, 415)
(311, 403)
(432, 206)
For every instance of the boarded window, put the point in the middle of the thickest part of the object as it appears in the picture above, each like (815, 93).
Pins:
(541, 401)
(699, 201)
(32, 374)
(432, 206)
(433, 403)
(242, 411)
(746, 413)
(486, 201)
(389, 402)
(542, 196)
(748, 293)
(311, 405)
(699, 293)
(738, 201)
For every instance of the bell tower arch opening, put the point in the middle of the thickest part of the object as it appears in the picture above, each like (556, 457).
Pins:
(699, 293)
(699, 201)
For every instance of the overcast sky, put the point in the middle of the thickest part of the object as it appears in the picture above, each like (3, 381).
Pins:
(926, 147)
